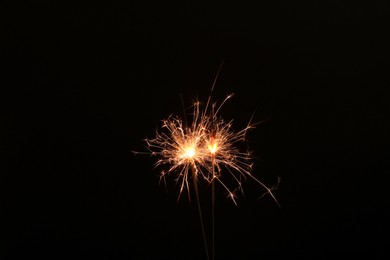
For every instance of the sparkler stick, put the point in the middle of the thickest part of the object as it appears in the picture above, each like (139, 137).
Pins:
(212, 149)
(194, 178)
(213, 212)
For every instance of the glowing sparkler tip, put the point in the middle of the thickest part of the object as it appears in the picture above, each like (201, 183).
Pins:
(189, 152)
(213, 148)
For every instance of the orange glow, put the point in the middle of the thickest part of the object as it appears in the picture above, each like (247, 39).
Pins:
(213, 147)
(207, 146)
(189, 152)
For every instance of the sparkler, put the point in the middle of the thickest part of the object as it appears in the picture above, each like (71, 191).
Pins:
(209, 149)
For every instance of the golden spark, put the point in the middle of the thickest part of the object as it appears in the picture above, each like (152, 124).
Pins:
(208, 147)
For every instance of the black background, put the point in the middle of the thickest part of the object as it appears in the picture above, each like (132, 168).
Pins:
(83, 84)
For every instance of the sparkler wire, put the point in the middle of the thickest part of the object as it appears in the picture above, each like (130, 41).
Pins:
(194, 179)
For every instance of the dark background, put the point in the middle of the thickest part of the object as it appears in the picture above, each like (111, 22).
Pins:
(83, 84)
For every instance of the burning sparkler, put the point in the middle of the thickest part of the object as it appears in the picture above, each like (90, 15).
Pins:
(208, 147)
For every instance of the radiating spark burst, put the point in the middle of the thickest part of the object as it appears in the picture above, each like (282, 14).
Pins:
(208, 147)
